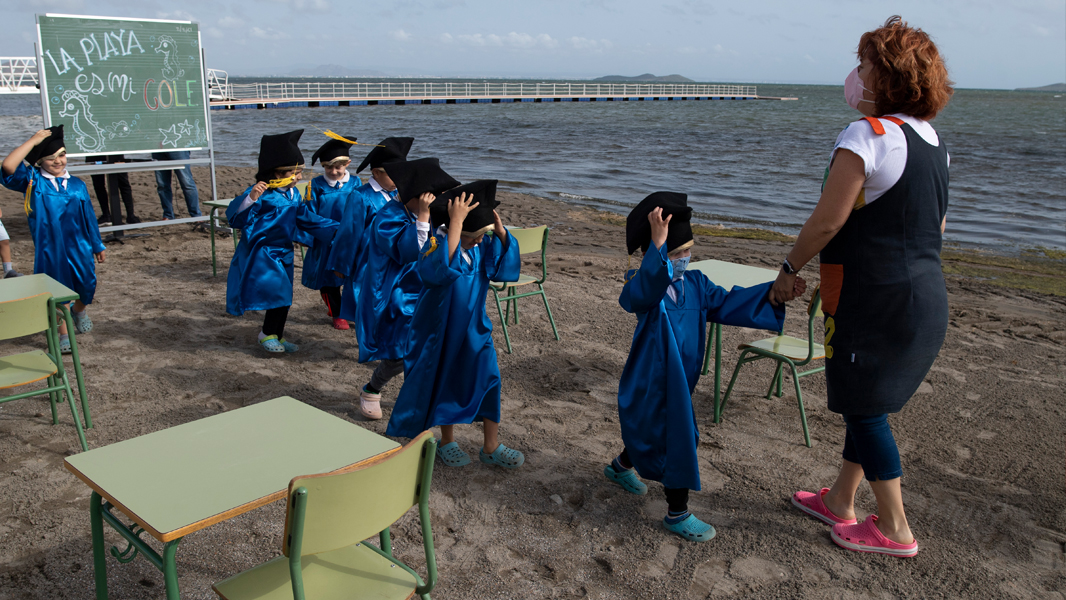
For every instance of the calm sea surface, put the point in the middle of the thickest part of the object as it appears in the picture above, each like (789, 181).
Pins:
(742, 163)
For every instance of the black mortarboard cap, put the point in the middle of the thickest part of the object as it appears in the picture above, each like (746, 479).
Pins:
(416, 177)
(49, 146)
(391, 149)
(278, 152)
(332, 149)
(479, 220)
(638, 229)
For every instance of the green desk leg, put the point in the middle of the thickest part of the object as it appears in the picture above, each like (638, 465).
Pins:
(214, 267)
(717, 372)
(99, 557)
(77, 366)
(170, 569)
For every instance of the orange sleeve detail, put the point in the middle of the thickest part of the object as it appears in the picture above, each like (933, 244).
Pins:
(879, 129)
(832, 282)
(895, 120)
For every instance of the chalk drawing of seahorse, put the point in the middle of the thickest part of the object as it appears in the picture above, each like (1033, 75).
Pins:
(89, 135)
(169, 48)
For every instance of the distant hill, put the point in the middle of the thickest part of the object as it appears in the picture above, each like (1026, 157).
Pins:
(1055, 87)
(645, 78)
(334, 71)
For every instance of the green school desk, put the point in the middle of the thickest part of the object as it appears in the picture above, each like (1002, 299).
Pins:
(16, 288)
(179, 480)
(726, 275)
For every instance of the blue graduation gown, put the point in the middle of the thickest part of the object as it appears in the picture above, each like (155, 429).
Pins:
(64, 230)
(348, 254)
(655, 391)
(260, 274)
(388, 287)
(328, 202)
(451, 372)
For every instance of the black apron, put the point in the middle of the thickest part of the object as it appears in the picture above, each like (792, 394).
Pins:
(883, 290)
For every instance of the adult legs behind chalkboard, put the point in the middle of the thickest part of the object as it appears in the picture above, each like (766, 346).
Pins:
(185, 180)
(112, 212)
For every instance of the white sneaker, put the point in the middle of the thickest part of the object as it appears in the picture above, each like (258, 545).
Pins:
(370, 405)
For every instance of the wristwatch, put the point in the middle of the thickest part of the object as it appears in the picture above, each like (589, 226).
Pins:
(788, 268)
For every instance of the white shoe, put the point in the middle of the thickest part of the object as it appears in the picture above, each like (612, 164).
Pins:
(370, 405)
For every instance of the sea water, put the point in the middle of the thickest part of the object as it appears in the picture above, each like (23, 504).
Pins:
(750, 163)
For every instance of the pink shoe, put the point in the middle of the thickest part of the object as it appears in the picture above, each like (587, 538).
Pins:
(866, 537)
(812, 505)
(370, 405)
(340, 324)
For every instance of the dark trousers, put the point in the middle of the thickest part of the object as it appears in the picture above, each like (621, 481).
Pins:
(124, 189)
(274, 321)
(869, 442)
(332, 297)
(676, 498)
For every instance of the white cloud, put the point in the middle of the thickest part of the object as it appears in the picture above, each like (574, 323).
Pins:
(214, 33)
(400, 35)
(230, 22)
(446, 38)
(1041, 31)
(307, 5)
(269, 34)
(580, 43)
(510, 40)
(810, 59)
(176, 15)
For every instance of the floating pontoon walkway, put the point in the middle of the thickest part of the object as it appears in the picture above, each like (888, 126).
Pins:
(309, 94)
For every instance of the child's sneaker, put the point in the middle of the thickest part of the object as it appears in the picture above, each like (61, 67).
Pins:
(82, 322)
(691, 528)
(271, 344)
(627, 479)
(12, 273)
(288, 346)
(370, 405)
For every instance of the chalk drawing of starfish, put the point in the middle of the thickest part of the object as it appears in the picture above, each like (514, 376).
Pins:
(167, 133)
(185, 128)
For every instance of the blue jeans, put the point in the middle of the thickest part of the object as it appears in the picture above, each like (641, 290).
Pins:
(188, 186)
(870, 443)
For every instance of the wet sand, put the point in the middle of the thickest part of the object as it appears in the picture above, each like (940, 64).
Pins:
(981, 443)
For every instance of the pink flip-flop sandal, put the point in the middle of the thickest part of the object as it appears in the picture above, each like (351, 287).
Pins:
(866, 537)
(812, 505)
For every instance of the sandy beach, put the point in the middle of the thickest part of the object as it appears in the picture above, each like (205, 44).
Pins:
(981, 442)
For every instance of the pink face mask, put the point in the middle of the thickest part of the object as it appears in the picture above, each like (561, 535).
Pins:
(853, 89)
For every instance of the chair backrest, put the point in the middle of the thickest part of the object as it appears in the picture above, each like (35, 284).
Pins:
(814, 312)
(531, 239)
(301, 189)
(24, 317)
(346, 508)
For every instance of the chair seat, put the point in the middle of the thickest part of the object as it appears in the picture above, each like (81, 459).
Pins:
(788, 346)
(25, 368)
(522, 280)
(351, 572)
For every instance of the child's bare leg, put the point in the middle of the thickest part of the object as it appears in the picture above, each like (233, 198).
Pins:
(62, 325)
(79, 306)
(5, 251)
(447, 434)
(840, 499)
(492, 432)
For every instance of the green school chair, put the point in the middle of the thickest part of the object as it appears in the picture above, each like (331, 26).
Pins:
(785, 350)
(26, 317)
(530, 240)
(328, 520)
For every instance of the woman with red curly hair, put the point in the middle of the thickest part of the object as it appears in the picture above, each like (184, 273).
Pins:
(878, 227)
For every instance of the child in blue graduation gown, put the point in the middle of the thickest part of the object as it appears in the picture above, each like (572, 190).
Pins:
(61, 218)
(390, 281)
(348, 255)
(328, 196)
(451, 370)
(269, 215)
(673, 307)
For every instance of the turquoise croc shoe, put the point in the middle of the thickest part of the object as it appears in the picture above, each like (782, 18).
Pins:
(503, 456)
(271, 344)
(627, 479)
(692, 529)
(452, 455)
(64, 346)
(288, 346)
(82, 322)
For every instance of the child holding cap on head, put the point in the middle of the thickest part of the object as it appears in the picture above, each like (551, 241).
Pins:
(347, 258)
(328, 196)
(61, 218)
(390, 282)
(269, 215)
(673, 307)
(450, 348)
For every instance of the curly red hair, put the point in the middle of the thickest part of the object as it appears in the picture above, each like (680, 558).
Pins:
(910, 75)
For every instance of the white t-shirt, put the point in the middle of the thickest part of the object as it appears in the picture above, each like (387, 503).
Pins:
(883, 156)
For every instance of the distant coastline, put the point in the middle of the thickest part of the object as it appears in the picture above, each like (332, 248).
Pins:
(645, 78)
(1055, 87)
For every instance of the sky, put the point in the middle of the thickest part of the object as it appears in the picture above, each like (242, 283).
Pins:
(987, 43)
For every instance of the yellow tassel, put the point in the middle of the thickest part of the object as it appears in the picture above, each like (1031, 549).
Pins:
(330, 134)
(29, 192)
(307, 193)
(276, 183)
(629, 263)
(432, 247)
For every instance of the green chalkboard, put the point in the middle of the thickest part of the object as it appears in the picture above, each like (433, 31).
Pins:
(123, 85)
